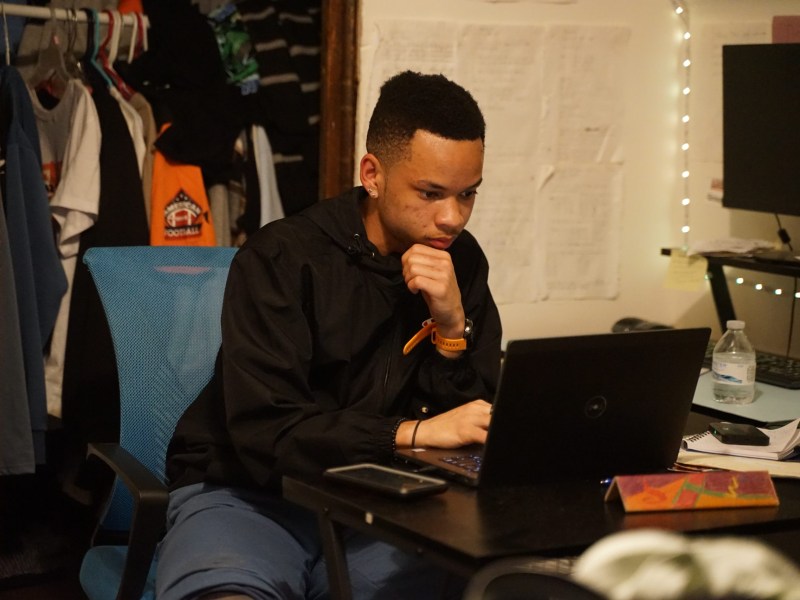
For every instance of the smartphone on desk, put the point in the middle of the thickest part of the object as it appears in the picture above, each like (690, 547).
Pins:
(738, 433)
(386, 480)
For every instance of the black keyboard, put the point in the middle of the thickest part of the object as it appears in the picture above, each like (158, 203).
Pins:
(470, 462)
(773, 369)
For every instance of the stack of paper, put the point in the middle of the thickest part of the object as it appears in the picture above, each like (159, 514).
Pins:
(700, 461)
(729, 246)
(783, 443)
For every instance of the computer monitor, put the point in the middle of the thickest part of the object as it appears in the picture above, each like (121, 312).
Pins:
(761, 127)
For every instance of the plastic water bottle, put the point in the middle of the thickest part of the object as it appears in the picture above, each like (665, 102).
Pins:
(733, 366)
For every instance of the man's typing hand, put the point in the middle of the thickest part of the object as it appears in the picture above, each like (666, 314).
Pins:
(463, 425)
(430, 271)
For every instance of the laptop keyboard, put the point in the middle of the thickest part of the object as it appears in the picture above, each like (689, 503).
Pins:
(469, 462)
(773, 369)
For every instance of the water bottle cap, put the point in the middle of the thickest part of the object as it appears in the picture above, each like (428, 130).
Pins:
(735, 324)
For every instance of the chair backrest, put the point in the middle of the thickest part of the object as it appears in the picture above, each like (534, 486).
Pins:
(163, 307)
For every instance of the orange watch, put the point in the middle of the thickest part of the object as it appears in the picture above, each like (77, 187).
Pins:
(454, 344)
(449, 344)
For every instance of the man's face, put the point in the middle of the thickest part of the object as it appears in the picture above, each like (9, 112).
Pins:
(426, 197)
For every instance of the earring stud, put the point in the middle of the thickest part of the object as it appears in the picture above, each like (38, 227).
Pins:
(372, 193)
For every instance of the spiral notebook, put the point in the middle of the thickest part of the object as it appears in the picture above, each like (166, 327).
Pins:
(783, 443)
(582, 407)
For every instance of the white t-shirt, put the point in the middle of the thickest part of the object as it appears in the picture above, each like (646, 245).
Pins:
(271, 206)
(69, 137)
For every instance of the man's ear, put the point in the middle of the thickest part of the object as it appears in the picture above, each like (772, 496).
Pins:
(371, 173)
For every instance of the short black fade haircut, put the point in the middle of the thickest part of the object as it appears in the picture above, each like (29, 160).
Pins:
(411, 101)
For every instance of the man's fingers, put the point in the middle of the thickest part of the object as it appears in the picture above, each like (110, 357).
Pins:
(465, 424)
(431, 272)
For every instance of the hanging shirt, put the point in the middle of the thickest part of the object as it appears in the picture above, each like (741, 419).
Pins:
(145, 111)
(181, 215)
(90, 396)
(286, 39)
(16, 438)
(38, 275)
(135, 126)
(69, 137)
(271, 207)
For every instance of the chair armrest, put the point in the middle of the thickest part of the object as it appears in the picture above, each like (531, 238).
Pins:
(150, 499)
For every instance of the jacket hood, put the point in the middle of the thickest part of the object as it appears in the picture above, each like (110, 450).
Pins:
(340, 219)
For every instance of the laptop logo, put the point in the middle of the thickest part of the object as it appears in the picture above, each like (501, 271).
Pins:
(595, 407)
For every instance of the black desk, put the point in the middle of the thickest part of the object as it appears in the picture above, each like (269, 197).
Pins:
(464, 529)
(719, 285)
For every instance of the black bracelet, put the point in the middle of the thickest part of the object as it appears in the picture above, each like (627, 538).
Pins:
(394, 433)
(414, 434)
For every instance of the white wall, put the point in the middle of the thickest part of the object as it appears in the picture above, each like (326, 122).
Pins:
(652, 215)
(768, 316)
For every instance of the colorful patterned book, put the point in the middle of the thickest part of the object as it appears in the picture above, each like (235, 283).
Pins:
(690, 491)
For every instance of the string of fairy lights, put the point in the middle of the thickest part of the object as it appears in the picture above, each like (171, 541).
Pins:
(685, 58)
(763, 287)
(685, 91)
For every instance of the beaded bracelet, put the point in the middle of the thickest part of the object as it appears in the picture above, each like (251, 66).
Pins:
(394, 433)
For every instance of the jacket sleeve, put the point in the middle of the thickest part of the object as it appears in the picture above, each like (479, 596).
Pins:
(277, 424)
(446, 383)
(289, 410)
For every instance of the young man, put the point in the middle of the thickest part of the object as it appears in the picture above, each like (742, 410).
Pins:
(315, 370)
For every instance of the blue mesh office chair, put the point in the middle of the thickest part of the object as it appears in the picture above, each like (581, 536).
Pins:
(163, 307)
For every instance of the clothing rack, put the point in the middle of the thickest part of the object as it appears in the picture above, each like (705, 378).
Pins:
(62, 14)
(138, 22)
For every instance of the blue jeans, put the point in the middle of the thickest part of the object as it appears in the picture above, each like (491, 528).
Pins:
(254, 543)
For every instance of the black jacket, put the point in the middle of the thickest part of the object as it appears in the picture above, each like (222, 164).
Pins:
(311, 372)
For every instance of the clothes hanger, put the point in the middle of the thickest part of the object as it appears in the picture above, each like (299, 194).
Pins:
(101, 51)
(115, 25)
(5, 34)
(93, 44)
(50, 74)
(141, 35)
(125, 89)
(71, 61)
(143, 28)
(134, 37)
(109, 50)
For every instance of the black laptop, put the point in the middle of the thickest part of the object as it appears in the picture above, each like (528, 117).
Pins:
(579, 407)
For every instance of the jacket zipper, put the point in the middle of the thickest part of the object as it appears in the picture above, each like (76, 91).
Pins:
(390, 354)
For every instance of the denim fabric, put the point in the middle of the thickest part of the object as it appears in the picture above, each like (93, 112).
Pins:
(234, 540)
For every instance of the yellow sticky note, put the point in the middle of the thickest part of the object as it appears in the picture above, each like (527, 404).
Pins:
(687, 273)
